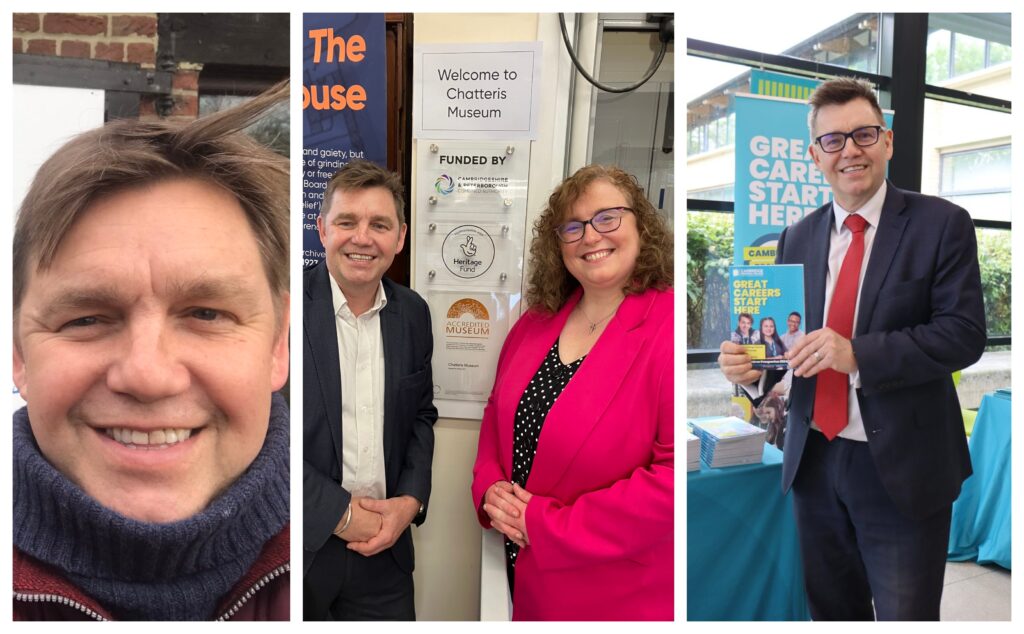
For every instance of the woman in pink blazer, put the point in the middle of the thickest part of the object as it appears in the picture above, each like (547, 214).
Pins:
(575, 461)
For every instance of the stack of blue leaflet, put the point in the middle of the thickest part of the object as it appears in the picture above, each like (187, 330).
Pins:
(692, 452)
(728, 441)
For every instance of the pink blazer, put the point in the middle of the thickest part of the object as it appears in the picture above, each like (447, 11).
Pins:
(600, 521)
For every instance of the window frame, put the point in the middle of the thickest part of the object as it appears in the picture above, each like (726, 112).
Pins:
(943, 156)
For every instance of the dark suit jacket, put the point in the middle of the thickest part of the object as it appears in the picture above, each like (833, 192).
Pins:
(921, 317)
(409, 412)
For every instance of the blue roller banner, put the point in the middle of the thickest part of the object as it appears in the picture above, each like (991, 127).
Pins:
(344, 105)
(777, 182)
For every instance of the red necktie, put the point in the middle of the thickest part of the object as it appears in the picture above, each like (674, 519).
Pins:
(832, 392)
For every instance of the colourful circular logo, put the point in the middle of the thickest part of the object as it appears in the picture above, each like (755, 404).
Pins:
(470, 306)
(444, 185)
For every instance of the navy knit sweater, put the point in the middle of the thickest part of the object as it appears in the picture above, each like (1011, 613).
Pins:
(145, 571)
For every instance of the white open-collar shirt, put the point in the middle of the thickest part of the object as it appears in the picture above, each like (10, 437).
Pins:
(361, 353)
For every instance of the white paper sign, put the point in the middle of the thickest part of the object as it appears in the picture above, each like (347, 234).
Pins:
(476, 91)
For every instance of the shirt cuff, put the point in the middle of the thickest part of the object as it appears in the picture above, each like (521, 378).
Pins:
(755, 390)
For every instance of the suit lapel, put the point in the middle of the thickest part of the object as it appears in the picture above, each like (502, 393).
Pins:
(583, 402)
(319, 320)
(887, 239)
(816, 269)
(391, 333)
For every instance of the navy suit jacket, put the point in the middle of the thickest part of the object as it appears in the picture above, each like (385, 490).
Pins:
(921, 317)
(409, 412)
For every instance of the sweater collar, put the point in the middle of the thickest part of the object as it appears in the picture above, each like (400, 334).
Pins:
(142, 570)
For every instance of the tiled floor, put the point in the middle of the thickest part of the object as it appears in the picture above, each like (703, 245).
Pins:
(975, 593)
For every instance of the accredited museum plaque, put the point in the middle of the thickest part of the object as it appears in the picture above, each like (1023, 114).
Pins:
(469, 329)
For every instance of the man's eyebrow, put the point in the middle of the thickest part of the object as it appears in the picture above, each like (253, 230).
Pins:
(75, 297)
(78, 297)
(856, 127)
(232, 288)
(344, 215)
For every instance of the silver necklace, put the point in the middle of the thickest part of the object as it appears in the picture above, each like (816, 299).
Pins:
(595, 324)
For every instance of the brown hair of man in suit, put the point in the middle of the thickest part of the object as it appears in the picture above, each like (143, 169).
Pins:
(361, 174)
(839, 91)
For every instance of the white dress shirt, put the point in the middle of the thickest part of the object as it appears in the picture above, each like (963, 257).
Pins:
(839, 243)
(361, 352)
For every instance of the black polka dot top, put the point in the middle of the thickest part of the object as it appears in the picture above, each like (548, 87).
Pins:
(545, 386)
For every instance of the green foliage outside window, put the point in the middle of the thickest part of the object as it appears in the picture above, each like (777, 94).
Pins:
(995, 261)
(969, 54)
(998, 53)
(708, 256)
(937, 60)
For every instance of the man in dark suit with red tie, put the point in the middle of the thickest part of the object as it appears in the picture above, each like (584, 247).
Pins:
(875, 450)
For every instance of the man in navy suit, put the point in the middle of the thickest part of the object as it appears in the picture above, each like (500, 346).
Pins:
(368, 438)
(875, 450)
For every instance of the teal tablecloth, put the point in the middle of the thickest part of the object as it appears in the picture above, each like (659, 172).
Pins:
(981, 515)
(742, 555)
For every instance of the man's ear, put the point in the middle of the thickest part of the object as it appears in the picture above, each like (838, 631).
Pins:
(321, 229)
(20, 372)
(812, 149)
(401, 237)
(279, 353)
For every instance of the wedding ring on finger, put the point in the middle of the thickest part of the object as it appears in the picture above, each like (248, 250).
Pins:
(817, 356)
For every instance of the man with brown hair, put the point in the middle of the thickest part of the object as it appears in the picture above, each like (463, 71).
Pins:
(875, 450)
(368, 437)
(150, 334)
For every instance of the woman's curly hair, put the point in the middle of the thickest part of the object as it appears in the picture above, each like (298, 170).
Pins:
(550, 283)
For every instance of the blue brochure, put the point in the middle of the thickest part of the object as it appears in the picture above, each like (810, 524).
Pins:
(767, 311)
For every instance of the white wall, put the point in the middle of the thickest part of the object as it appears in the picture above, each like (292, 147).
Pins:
(952, 127)
(44, 118)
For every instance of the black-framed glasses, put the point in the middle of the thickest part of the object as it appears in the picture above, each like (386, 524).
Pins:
(863, 137)
(604, 221)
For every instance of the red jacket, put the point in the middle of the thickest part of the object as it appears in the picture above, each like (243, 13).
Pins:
(41, 593)
(600, 521)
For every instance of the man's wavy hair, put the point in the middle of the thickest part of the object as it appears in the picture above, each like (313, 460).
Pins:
(360, 174)
(130, 153)
(838, 92)
(550, 283)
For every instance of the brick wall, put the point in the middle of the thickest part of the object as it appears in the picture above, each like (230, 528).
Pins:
(112, 37)
(116, 37)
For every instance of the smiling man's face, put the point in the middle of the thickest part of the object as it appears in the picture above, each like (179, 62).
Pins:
(148, 350)
(855, 173)
(361, 235)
